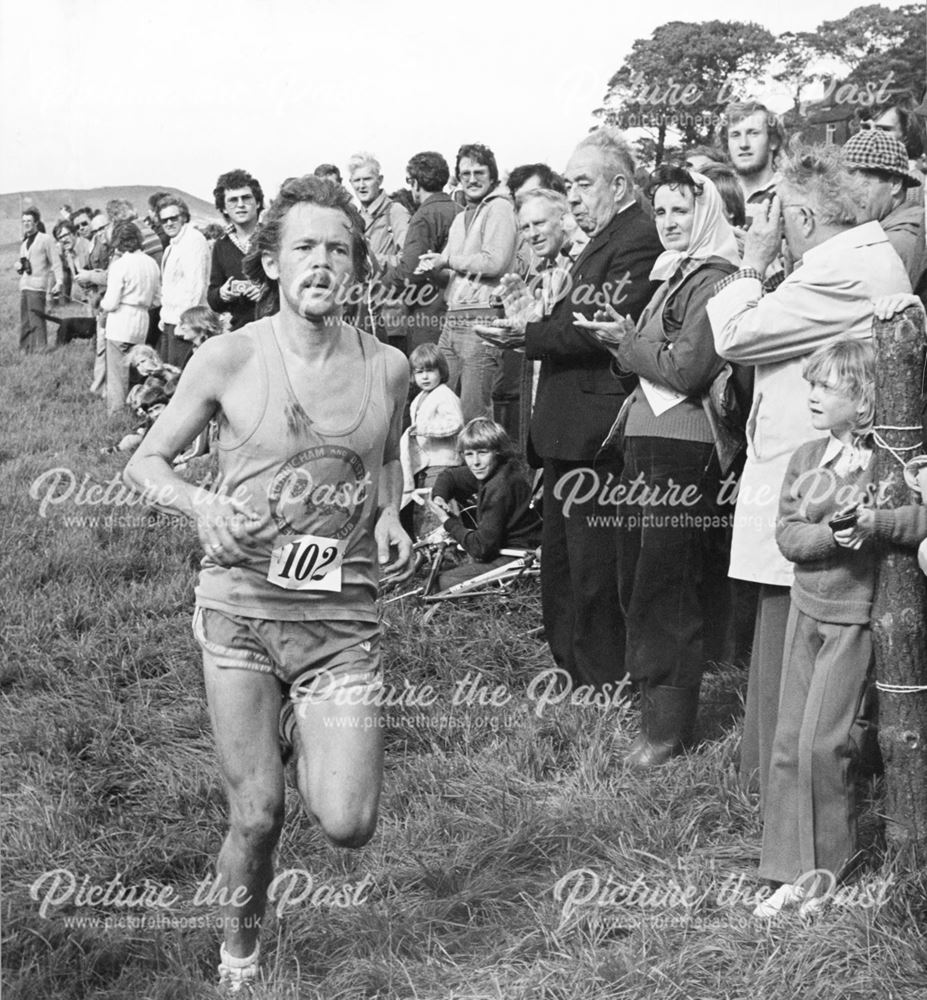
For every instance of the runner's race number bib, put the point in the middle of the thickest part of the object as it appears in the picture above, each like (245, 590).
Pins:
(309, 562)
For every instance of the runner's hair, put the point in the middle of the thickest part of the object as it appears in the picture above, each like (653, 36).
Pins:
(307, 190)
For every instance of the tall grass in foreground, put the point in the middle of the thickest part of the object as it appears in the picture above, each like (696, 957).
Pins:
(466, 891)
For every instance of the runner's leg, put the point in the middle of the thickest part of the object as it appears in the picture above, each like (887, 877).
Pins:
(244, 706)
(340, 764)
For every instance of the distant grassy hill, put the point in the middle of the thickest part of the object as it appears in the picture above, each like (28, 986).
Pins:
(50, 202)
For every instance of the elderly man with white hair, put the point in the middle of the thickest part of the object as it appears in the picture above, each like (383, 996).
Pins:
(578, 398)
(844, 266)
(386, 223)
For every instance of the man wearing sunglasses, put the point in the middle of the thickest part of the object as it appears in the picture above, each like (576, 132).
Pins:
(184, 276)
(75, 240)
(80, 220)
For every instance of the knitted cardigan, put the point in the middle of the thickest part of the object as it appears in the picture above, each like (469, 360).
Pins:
(833, 583)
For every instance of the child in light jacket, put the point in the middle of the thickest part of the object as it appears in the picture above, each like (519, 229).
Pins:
(429, 444)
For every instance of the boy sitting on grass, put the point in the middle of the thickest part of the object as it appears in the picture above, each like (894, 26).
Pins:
(504, 517)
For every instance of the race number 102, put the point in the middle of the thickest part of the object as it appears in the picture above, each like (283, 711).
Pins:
(307, 563)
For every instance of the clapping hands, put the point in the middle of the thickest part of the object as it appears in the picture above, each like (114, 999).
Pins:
(608, 327)
(521, 308)
(519, 302)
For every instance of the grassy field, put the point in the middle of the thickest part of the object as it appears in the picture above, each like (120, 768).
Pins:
(516, 856)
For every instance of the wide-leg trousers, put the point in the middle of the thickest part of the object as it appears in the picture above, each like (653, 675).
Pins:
(810, 818)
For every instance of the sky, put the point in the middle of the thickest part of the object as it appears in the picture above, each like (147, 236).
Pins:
(173, 93)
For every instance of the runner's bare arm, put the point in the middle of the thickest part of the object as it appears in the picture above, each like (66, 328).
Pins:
(388, 531)
(222, 522)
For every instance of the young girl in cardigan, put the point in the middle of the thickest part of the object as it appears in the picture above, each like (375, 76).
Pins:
(831, 527)
(429, 445)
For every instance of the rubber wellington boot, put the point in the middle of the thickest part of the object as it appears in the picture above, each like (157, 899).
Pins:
(667, 721)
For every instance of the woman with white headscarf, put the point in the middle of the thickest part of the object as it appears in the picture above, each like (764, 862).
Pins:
(673, 534)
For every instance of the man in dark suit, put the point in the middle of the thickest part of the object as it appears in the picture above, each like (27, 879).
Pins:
(578, 398)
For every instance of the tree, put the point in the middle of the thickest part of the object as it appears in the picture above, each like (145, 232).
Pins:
(899, 613)
(645, 150)
(874, 41)
(682, 76)
(799, 52)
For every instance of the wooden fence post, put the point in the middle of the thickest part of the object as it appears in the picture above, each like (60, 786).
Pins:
(899, 615)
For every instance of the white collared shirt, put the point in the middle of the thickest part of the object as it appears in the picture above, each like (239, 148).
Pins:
(184, 274)
(847, 458)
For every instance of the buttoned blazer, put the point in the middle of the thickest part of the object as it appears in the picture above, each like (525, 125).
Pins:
(578, 396)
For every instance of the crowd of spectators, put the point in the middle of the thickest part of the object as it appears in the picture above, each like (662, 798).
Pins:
(638, 339)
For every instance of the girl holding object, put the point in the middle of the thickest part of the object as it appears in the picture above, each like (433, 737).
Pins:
(829, 527)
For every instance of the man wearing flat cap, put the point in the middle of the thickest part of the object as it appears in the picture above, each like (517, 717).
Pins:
(880, 163)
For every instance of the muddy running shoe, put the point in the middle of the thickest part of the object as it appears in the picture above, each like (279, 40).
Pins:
(244, 989)
(237, 976)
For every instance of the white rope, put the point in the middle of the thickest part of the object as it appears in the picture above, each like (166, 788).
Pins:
(882, 443)
(900, 688)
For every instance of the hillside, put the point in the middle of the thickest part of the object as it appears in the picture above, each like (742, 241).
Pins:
(49, 203)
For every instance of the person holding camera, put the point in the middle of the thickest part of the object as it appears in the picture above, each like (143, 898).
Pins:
(240, 199)
(38, 261)
(845, 265)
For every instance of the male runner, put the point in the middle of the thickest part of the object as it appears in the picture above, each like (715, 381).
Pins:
(309, 412)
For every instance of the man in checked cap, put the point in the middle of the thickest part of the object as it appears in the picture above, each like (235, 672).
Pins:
(880, 163)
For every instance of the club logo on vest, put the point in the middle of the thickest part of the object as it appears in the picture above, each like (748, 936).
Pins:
(321, 491)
